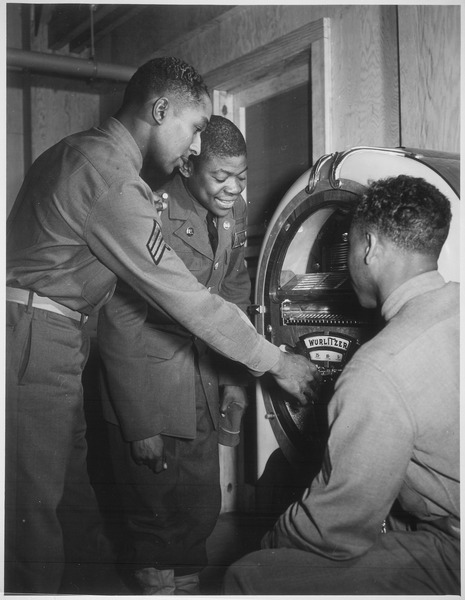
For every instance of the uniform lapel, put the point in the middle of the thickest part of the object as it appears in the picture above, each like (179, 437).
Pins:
(191, 229)
(225, 229)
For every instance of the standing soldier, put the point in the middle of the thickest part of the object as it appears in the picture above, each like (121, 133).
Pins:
(84, 217)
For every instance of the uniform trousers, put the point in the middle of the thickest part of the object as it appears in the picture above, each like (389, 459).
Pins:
(420, 562)
(170, 515)
(51, 512)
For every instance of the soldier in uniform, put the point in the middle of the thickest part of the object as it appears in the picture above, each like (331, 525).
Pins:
(171, 508)
(394, 426)
(83, 218)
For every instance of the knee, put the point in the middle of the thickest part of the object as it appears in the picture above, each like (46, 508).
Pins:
(232, 581)
(245, 576)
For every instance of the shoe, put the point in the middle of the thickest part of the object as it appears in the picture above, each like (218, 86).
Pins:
(155, 582)
(187, 585)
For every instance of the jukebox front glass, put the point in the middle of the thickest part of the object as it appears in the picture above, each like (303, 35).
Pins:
(313, 309)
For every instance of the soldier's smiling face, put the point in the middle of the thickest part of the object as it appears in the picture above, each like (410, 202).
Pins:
(217, 182)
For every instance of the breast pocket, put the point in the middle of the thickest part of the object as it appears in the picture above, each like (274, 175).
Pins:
(191, 258)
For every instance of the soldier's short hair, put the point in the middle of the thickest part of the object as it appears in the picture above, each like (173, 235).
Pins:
(407, 210)
(165, 75)
(221, 138)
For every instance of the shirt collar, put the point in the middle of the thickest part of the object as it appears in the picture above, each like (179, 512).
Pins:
(416, 286)
(127, 143)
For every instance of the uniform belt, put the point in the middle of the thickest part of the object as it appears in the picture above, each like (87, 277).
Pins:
(30, 298)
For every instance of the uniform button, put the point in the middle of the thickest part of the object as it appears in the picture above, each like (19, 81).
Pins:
(209, 288)
(216, 266)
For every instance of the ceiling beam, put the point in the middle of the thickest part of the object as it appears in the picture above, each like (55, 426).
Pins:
(71, 23)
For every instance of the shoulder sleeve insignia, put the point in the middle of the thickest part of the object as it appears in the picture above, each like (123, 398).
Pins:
(156, 244)
(239, 239)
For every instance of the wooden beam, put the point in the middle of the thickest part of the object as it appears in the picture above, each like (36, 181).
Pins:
(321, 95)
(70, 22)
(105, 25)
(288, 51)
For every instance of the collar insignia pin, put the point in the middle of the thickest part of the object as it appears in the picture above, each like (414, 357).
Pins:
(226, 225)
(190, 231)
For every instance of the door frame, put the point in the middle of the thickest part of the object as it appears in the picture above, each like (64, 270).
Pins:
(298, 57)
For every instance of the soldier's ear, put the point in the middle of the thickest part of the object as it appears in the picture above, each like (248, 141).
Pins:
(374, 248)
(159, 109)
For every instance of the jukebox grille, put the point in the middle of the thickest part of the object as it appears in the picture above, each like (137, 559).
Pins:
(317, 281)
(339, 255)
(294, 313)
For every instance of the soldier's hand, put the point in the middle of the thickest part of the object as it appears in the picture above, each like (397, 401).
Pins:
(297, 376)
(150, 452)
(233, 396)
(233, 405)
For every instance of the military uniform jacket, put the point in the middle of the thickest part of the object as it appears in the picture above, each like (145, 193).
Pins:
(168, 406)
(84, 217)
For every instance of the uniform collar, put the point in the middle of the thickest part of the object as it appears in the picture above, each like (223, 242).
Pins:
(125, 141)
(426, 282)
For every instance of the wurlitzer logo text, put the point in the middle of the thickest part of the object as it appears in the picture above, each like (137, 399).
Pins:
(328, 341)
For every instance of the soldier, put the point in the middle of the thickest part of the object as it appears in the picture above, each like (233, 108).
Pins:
(394, 426)
(172, 506)
(84, 217)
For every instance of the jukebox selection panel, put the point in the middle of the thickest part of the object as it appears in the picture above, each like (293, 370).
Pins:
(314, 311)
(313, 308)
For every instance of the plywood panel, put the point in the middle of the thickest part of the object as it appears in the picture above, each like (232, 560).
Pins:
(14, 104)
(364, 77)
(14, 112)
(15, 167)
(240, 31)
(429, 42)
(57, 113)
(285, 53)
(58, 106)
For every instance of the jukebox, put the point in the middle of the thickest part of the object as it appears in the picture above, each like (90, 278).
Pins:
(304, 298)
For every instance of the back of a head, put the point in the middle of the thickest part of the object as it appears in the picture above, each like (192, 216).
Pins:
(221, 138)
(409, 211)
(165, 76)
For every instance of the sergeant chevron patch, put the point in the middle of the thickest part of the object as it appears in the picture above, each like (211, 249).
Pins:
(156, 244)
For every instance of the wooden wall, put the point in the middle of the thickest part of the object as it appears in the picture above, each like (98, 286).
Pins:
(15, 125)
(41, 110)
(377, 96)
(392, 83)
(363, 59)
(429, 48)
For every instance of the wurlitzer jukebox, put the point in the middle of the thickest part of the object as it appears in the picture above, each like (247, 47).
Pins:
(304, 298)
